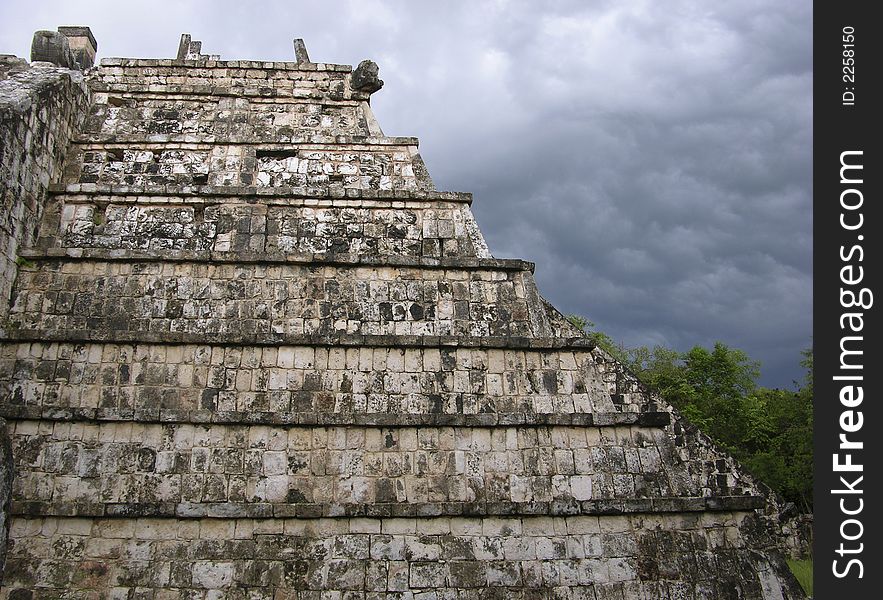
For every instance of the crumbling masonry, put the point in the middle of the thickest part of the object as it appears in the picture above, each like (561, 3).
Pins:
(249, 351)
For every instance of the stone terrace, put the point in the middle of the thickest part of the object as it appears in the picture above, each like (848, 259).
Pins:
(250, 351)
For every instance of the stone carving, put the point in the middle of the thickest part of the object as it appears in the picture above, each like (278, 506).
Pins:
(300, 51)
(189, 49)
(366, 77)
(53, 47)
(249, 350)
(69, 47)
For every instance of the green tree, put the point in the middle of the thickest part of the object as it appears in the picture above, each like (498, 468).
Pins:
(777, 446)
(719, 382)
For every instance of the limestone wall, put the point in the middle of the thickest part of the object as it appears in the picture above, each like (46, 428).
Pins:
(234, 119)
(7, 473)
(381, 166)
(82, 468)
(301, 384)
(41, 108)
(572, 558)
(363, 223)
(243, 79)
(416, 228)
(219, 299)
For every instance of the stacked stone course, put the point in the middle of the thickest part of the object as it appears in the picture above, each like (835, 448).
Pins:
(249, 351)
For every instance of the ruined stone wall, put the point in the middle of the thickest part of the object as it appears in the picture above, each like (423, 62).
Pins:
(580, 557)
(41, 109)
(7, 472)
(384, 166)
(255, 354)
(160, 122)
(271, 119)
(424, 226)
(235, 78)
(259, 470)
(292, 384)
(798, 534)
(219, 300)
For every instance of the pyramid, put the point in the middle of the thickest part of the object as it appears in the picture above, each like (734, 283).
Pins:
(251, 352)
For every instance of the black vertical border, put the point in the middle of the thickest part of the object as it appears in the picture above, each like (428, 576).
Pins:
(839, 128)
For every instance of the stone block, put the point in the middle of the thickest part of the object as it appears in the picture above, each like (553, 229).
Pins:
(430, 575)
(82, 44)
(53, 47)
(212, 575)
(581, 487)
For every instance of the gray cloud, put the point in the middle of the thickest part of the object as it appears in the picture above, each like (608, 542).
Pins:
(653, 159)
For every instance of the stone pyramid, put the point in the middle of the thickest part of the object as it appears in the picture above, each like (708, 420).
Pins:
(251, 352)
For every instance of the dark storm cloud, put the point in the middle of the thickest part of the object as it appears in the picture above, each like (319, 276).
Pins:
(653, 158)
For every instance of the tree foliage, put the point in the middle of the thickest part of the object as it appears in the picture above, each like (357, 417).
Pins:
(767, 430)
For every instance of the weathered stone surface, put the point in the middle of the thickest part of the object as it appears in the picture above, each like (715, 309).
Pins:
(231, 119)
(311, 166)
(218, 299)
(40, 111)
(285, 381)
(181, 463)
(529, 557)
(278, 227)
(253, 353)
(53, 47)
(7, 474)
(300, 51)
(241, 79)
(12, 64)
(366, 77)
(189, 49)
(82, 44)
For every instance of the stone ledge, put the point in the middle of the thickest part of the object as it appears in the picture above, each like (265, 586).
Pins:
(215, 257)
(231, 91)
(258, 101)
(280, 339)
(143, 141)
(224, 64)
(229, 510)
(189, 199)
(386, 420)
(238, 192)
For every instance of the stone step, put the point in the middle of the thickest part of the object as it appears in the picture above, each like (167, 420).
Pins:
(196, 193)
(53, 256)
(342, 340)
(244, 79)
(338, 382)
(168, 66)
(226, 227)
(211, 299)
(336, 166)
(186, 118)
(231, 510)
(336, 419)
(196, 141)
(236, 88)
(90, 466)
(519, 558)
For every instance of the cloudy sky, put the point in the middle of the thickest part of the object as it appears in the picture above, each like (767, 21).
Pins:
(653, 158)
